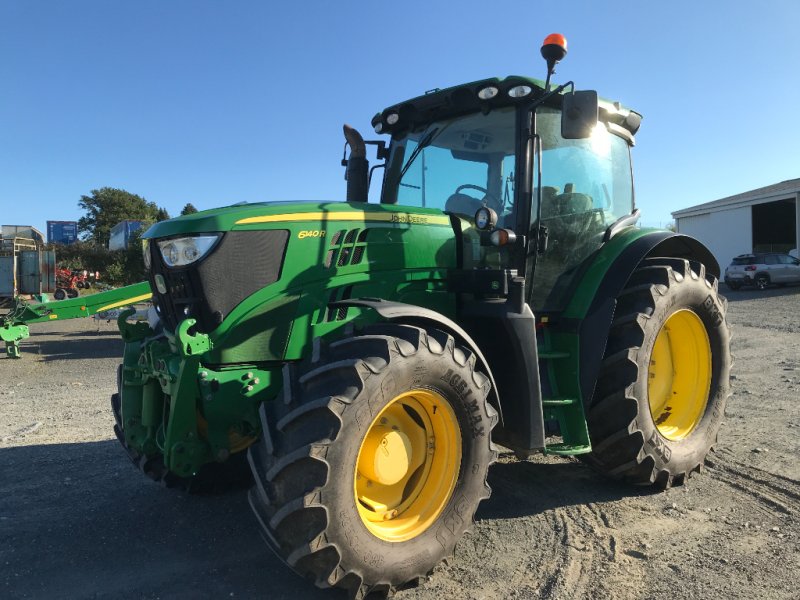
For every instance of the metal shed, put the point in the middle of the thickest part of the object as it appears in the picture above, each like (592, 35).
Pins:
(766, 219)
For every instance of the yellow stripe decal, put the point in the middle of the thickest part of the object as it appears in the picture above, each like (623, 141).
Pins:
(391, 217)
(125, 302)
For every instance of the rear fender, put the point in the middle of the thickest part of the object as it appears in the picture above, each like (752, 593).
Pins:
(593, 327)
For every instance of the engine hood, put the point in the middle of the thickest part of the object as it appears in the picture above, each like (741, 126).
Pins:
(267, 215)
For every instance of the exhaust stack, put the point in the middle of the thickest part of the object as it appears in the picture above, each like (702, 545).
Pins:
(357, 171)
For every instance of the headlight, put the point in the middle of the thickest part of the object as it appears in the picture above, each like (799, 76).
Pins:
(179, 252)
(146, 254)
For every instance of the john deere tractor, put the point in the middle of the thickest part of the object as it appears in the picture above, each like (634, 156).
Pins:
(362, 360)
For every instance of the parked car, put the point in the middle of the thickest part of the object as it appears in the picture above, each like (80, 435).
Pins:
(762, 270)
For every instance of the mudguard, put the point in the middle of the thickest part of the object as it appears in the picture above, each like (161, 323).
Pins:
(593, 329)
(417, 315)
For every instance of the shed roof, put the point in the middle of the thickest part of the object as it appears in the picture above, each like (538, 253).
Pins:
(776, 191)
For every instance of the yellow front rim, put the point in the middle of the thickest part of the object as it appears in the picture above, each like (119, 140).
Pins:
(407, 465)
(679, 375)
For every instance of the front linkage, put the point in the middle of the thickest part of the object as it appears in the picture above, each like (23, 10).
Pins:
(167, 432)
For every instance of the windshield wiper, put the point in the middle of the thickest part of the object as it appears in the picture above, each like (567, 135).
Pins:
(423, 143)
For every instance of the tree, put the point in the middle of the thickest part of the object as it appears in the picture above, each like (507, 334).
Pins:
(189, 209)
(108, 206)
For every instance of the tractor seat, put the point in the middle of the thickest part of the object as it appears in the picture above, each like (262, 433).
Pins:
(550, 206)
(462, 205)
(573, 203)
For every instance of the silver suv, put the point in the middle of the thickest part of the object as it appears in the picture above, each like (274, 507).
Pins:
(761, 270)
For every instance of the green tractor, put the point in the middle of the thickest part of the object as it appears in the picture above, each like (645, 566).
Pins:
(357, 362)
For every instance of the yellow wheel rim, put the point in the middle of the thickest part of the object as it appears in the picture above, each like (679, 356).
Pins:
(679, 375)
(407, 465)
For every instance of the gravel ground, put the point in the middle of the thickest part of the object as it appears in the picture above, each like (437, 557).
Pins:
(77, 521)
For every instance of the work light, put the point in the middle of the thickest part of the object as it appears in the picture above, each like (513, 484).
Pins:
(179, 252)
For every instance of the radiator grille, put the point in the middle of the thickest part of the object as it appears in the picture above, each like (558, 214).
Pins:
(242, 263)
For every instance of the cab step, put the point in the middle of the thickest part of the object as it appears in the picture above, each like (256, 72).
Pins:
(567, 449)
(559, 401)
(552, 354)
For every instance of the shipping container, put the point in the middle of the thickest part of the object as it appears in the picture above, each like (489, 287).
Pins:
(27, 272)
(8, 276)
(62, 232)
(122, 232)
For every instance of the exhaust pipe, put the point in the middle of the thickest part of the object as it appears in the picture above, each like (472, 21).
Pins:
(357, 172)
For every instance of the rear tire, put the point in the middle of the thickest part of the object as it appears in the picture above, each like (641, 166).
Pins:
(762, 282)
(60, 294)
(312, 497)
(661, 394)
(734, 286)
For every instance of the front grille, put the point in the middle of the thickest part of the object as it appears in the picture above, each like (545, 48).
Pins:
(239, 265)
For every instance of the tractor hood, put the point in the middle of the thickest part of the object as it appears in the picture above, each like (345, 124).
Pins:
(267, 215)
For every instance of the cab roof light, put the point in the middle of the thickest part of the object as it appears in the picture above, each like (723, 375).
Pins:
(520, 91)
(488, 92)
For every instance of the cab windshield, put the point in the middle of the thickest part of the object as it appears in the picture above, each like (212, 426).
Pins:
(457, 165)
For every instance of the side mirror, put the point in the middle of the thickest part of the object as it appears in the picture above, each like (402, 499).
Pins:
(579, 115)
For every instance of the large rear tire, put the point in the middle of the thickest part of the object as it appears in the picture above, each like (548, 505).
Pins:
(372, 466)
(661, 394)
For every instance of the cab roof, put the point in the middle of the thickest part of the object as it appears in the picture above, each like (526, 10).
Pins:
(463, 99)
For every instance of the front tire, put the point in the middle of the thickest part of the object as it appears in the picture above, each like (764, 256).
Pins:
(661, 394)
(371, 468)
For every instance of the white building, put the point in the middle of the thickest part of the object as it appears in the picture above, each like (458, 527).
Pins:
(762, 220)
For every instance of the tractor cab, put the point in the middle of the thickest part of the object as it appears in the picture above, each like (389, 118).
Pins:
(502, 148)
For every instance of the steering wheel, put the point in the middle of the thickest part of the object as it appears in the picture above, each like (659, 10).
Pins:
(471, 186)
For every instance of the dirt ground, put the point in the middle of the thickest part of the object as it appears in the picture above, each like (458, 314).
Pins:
(77, 521)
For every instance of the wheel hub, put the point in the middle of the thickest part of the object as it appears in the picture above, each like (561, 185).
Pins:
(390, 453)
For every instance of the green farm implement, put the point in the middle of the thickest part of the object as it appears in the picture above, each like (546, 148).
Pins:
(357, 362)
(14, 324)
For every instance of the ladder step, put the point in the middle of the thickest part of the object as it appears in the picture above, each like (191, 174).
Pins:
(559, 401)
(552, 354)
(567, 449)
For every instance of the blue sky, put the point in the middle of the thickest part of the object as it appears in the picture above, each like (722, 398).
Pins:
(215, 102)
